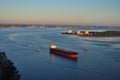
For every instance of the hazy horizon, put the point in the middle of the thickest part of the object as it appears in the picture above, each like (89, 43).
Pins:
(81, 12)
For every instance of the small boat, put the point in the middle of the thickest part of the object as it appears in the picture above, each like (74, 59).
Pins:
(63, 52)
(86, 49)
(37, 50)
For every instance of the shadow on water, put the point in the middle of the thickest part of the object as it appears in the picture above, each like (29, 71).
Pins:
(63, 62)
(7, 70)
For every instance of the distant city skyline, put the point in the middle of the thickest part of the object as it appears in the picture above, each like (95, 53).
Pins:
(83, 12)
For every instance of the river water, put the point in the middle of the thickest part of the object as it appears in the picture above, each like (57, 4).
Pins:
(100, 62)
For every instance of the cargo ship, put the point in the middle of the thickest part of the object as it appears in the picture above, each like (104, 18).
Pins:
(63, 52)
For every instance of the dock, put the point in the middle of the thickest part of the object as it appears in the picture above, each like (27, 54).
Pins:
(88, 33)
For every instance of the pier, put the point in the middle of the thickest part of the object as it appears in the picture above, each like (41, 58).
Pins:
(88, 33)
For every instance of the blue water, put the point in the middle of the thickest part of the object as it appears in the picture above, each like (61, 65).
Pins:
(100, 62)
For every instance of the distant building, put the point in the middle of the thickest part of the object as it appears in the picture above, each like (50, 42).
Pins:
(79, 33)
(69, 31)
(87, 32)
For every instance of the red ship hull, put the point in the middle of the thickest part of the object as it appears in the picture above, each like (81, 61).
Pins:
(66, 53)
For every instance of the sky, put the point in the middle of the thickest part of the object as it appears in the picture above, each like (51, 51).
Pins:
(83, 12)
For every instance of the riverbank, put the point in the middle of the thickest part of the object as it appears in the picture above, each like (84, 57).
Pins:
(7, 69)
(112, 42)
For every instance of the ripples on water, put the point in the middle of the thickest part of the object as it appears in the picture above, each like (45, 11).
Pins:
(101, 62)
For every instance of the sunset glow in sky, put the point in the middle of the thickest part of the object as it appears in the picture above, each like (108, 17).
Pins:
(86, 12)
